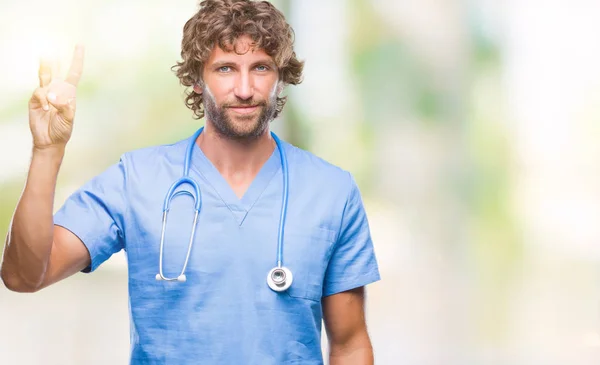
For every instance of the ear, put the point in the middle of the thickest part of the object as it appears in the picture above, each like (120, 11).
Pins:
(197, 87)
(280, 87)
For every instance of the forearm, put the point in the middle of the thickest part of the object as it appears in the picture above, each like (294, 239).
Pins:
(357, 351)
(30, 236)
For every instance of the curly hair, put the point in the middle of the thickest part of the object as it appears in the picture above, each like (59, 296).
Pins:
(220, 23)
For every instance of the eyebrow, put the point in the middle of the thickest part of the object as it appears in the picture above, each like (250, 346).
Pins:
(269, 63)
(266, 62)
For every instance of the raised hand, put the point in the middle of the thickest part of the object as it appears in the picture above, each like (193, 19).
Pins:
(52, 105)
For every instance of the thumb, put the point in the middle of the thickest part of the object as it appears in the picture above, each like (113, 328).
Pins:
(65, 107)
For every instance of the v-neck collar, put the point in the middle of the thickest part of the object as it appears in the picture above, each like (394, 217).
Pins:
(239, 208)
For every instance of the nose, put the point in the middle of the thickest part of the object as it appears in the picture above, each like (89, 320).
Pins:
(244, 87)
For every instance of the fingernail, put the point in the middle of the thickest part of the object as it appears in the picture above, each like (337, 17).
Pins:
(46, 107)
(52, 96)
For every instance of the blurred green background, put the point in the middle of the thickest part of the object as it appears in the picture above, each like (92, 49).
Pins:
(470, 126)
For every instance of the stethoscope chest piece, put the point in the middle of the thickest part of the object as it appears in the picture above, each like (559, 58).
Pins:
(280, 278)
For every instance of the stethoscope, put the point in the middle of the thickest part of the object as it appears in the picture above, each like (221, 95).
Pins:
(280, 277)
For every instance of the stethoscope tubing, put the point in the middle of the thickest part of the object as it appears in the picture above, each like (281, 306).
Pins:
(284, 200)
(186, 179)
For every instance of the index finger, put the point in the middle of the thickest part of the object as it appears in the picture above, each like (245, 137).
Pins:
(76, 66)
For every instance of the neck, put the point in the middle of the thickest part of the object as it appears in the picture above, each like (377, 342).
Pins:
(236, 158)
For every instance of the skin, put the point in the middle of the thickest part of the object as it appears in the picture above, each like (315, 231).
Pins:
(37, 253)
(240, 90)
(345, 324)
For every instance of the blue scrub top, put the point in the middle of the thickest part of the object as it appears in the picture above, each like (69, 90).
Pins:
(225, 313)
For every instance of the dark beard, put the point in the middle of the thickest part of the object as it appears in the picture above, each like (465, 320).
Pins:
(226, 128)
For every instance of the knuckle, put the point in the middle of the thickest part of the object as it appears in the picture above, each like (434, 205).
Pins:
(39, 93)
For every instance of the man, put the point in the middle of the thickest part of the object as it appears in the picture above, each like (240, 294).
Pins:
(243, 295)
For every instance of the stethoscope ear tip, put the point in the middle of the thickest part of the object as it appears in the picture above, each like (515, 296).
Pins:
(181, 278)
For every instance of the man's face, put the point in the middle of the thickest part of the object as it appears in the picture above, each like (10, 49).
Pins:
(240, 90)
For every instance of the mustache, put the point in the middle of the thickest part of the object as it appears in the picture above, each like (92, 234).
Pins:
(242, 103)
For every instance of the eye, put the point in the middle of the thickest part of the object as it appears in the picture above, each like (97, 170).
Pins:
(262, 68)
(224, 69)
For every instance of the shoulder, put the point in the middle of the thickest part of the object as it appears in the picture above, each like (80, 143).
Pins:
(154, 153)
(315, 170)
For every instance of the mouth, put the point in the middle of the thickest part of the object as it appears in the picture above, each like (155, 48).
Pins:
(245, 109)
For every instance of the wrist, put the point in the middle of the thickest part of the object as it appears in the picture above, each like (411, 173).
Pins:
(54, 153)
(51, 151)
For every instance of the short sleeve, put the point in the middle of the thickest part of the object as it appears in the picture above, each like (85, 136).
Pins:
(353, 263)
(96, 213)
